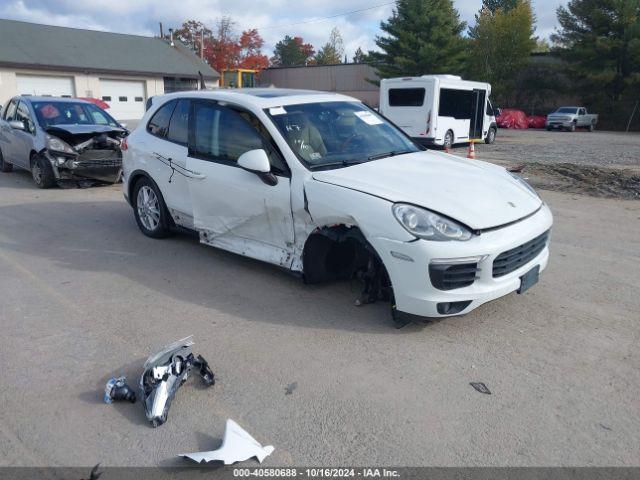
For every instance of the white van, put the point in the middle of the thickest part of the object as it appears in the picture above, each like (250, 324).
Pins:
(439, 109)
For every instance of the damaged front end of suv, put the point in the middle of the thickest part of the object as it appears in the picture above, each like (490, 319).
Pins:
(79, 152)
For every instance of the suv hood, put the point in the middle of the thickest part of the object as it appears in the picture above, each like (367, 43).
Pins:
(478, 194)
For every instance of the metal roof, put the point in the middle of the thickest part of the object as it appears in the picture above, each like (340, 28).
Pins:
(31, 45)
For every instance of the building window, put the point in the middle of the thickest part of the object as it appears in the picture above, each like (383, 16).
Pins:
(122, 99)
(176, 84)
(139, 99)
(106, 99)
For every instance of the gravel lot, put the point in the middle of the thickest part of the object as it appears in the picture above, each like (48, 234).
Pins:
(601, 149)
(86, 296)
(602, 164)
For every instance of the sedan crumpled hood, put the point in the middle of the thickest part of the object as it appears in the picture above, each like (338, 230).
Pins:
(478, 194)
(73, 134)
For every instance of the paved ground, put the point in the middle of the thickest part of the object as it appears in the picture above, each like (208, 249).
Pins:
(86, 296)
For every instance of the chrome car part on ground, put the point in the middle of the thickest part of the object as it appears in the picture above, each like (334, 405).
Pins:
(164, 372)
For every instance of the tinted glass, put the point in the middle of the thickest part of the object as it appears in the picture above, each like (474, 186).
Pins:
(71, 113)
(159, 123)
(222, 134)
(334, 134)
(567, 110)
(23, 115)
(456, 103)
(10, 110)
(179, 124)
(406, 97)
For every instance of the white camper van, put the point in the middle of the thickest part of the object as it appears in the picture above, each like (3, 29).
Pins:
(439, 109)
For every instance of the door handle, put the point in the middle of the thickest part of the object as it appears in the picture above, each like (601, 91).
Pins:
(197, 176)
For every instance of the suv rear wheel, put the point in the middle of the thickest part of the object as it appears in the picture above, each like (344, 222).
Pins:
(491, 136)
(150, 210)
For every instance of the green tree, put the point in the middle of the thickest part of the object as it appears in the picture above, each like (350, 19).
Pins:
(421, 37)
(600, 41)
(501, 44)
(291, 52)
(359, 56)
(331, 52)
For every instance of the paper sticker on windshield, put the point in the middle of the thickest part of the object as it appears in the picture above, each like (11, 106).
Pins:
(277, 111)
(368, 118)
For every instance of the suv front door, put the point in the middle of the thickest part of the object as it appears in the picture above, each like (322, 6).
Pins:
(234, 209)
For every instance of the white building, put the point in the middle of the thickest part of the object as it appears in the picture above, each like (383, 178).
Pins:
(123, 70)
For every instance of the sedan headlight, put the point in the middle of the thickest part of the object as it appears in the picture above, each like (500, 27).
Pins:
(55, 144)
(429, 225)
(524, 183)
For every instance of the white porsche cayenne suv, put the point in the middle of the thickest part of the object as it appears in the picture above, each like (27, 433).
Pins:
(320, 184)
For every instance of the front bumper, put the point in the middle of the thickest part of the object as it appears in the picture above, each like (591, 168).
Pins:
(413, 290)
(97, 165)
(559, 123)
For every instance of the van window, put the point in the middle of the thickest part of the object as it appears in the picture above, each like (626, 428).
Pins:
(406, 97)
(456, 103)
(159, 123)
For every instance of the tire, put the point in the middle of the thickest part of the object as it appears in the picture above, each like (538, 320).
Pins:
(549, 129)
(5, 166)
(42, 172)
(572, 128)
(491, 136)
(592, 127)
(150, 210)
(448, 139)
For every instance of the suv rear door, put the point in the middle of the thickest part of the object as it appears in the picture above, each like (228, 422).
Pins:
(233, 209)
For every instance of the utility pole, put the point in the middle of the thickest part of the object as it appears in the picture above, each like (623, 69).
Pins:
(202, 43)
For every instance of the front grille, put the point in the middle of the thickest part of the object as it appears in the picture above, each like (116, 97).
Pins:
(99, 158)
(446, 276)
(513, 259)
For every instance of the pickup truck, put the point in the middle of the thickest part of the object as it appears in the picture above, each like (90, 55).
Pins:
(570, 118)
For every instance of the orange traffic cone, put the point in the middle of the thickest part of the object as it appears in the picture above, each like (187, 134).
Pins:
(472, 150)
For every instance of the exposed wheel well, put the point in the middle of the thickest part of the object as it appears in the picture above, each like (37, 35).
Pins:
(339, 252)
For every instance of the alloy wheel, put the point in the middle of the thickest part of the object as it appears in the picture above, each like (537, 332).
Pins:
(148, 208)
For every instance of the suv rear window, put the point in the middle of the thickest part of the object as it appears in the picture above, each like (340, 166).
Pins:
(406, 97)
(159, 123)
(179, 124)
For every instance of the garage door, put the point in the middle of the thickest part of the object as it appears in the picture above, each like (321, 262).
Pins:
(45, 85)
(126, 98)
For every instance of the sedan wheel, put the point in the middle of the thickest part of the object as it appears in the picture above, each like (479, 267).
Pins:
(150, 210)
(42, 172)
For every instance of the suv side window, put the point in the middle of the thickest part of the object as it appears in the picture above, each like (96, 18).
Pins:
(23, 115)
(10, 110)
(222, 134)
(179, 123)
(159, 123)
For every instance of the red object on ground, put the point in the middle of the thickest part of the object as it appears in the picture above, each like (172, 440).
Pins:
(96, 101)
(537, 121)
(512, 118)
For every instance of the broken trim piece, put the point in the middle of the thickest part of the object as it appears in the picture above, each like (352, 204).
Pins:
(237, 446)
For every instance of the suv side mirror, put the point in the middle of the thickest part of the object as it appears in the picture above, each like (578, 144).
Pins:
(257, 161)
(17, 125)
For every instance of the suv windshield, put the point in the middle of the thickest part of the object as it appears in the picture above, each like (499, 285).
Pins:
(334, 134)
(567, 110)
(71, 113)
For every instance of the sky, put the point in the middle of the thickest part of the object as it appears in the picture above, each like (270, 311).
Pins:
(273, 18)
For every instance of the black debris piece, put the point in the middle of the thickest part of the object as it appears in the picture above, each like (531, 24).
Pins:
(288, 390)
(480, 387)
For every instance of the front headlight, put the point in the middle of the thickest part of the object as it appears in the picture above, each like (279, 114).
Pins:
(524, 183)
(428, 225)
(56, 145)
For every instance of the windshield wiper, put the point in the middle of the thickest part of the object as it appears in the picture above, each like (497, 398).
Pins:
(388, 154)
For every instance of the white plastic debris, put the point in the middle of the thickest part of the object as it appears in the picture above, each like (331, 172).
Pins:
(237, 445)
